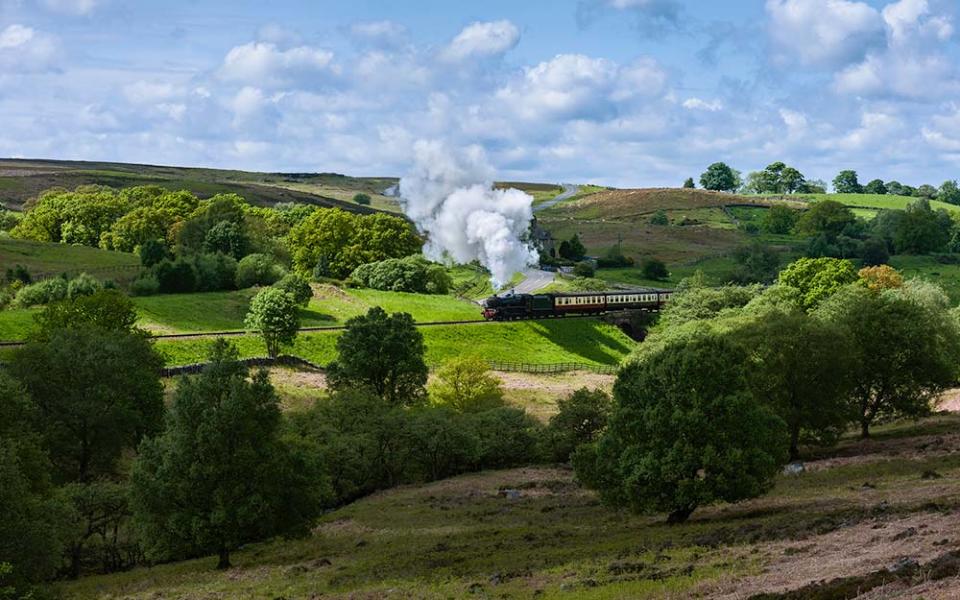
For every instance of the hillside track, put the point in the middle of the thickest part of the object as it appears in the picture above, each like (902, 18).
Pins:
(241, 332)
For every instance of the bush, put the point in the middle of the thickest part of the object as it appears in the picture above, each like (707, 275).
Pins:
(175, 276)
(83, 285)
(298, 288)
(507, 437)
(583, 268)
(686, 432)
(152, 252)
(19, 273)
(145, 285)
(257, 269)
(43, 292)
(655, 269)
(214, 271)
(410, 274)
(465, 384)
(274, 315)
(660, 218)
(361, 198)
(580, 418)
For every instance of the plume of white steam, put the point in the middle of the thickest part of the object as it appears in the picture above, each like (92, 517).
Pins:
(449, 194)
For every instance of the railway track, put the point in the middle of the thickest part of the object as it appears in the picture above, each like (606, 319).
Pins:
(240, 332)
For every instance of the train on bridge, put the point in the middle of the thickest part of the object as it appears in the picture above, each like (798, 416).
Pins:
(541, 306)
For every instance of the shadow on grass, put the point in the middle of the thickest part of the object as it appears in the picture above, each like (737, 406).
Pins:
(308, 316)
(589, 339)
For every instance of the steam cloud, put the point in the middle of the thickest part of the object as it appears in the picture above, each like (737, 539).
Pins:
(449, 194)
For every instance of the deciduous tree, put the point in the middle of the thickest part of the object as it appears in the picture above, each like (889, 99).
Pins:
(275, 316)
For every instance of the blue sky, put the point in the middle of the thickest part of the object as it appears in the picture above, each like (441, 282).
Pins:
(619, 92)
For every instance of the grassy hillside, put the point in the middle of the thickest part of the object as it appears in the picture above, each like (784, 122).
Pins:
(45, 259)
(24, 179)
(225, 311)
(856, 510)
(540, 342)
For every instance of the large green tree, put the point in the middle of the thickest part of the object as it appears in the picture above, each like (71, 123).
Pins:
(905, 349)
(32, 529)
(383, 353)
(719, 177)
(827, 217)
(817, 278)
(219, 475)
(800, 365)
(686, 432)
(846, 183)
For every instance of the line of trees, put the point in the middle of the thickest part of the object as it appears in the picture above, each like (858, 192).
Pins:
(780, 178)
(740, 379)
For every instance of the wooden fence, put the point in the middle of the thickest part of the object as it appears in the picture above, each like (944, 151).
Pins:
(284, 360)
(522, 367)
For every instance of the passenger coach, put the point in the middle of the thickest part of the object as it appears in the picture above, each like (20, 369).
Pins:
(539, 306)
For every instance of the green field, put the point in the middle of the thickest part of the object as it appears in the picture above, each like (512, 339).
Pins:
(50, 260)
(540, 342)
(225, 311)
(874, 201)
(458, 538)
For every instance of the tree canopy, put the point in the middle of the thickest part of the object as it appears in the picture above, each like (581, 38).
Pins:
(719, 177)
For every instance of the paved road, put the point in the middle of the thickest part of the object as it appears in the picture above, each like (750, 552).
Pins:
(535, 279)
(569, 191)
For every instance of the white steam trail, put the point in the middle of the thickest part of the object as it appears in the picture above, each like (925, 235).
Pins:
(449, 194)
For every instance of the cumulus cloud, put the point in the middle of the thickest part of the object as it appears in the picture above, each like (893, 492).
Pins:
(264, 64)
(823, 32)
(700, 104)
(24, 49)
(482, 40)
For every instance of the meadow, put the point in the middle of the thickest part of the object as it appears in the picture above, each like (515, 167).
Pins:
(538, 342)
(462, 536)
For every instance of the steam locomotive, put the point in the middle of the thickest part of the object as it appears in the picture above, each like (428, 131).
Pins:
(539, 306)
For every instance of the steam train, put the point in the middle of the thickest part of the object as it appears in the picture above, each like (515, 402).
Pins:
(539, 306)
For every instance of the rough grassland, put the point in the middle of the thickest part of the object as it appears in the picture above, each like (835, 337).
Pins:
(541, 342)
(876, 201)
(857, 509)
(45, 259)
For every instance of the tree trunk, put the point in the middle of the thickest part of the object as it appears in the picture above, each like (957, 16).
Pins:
(864, 429)
(224, 562)
(680, 515)
(794, 443)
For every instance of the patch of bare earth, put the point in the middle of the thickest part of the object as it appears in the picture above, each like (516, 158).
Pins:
(871, 451)
(950, 400)
(864, 548)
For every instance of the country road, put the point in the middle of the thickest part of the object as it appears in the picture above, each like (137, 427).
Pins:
(535, 279)
(569, 191)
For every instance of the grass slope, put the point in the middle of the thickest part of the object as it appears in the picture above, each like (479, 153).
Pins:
(458, 537)
(49, 260)
(540, 342)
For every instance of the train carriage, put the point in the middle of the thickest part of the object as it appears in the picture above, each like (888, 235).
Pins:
(539, 306)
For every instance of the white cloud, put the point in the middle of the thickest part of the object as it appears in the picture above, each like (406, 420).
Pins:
(642, 78)
(24, 50)
(149, 92)
(569, 86)
(482, 40)
(823, 32)
(908, 20)
(699, 104)
(264, 64)
(876, 128)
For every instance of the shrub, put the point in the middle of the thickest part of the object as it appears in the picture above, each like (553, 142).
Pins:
(19, 273)
(83, 285)
(583, 268)
(175, 276)
(145, 285)
(361, 198)
(440, 445)
(660, 218)
(465, 384)
(507, 437)
(686, 432)
(298, 288)
(214, 271)
(655, 269)
(257, 269)
(779, 219)
(409, 274)
(152, 252)
(579, 420)
(43, 292)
